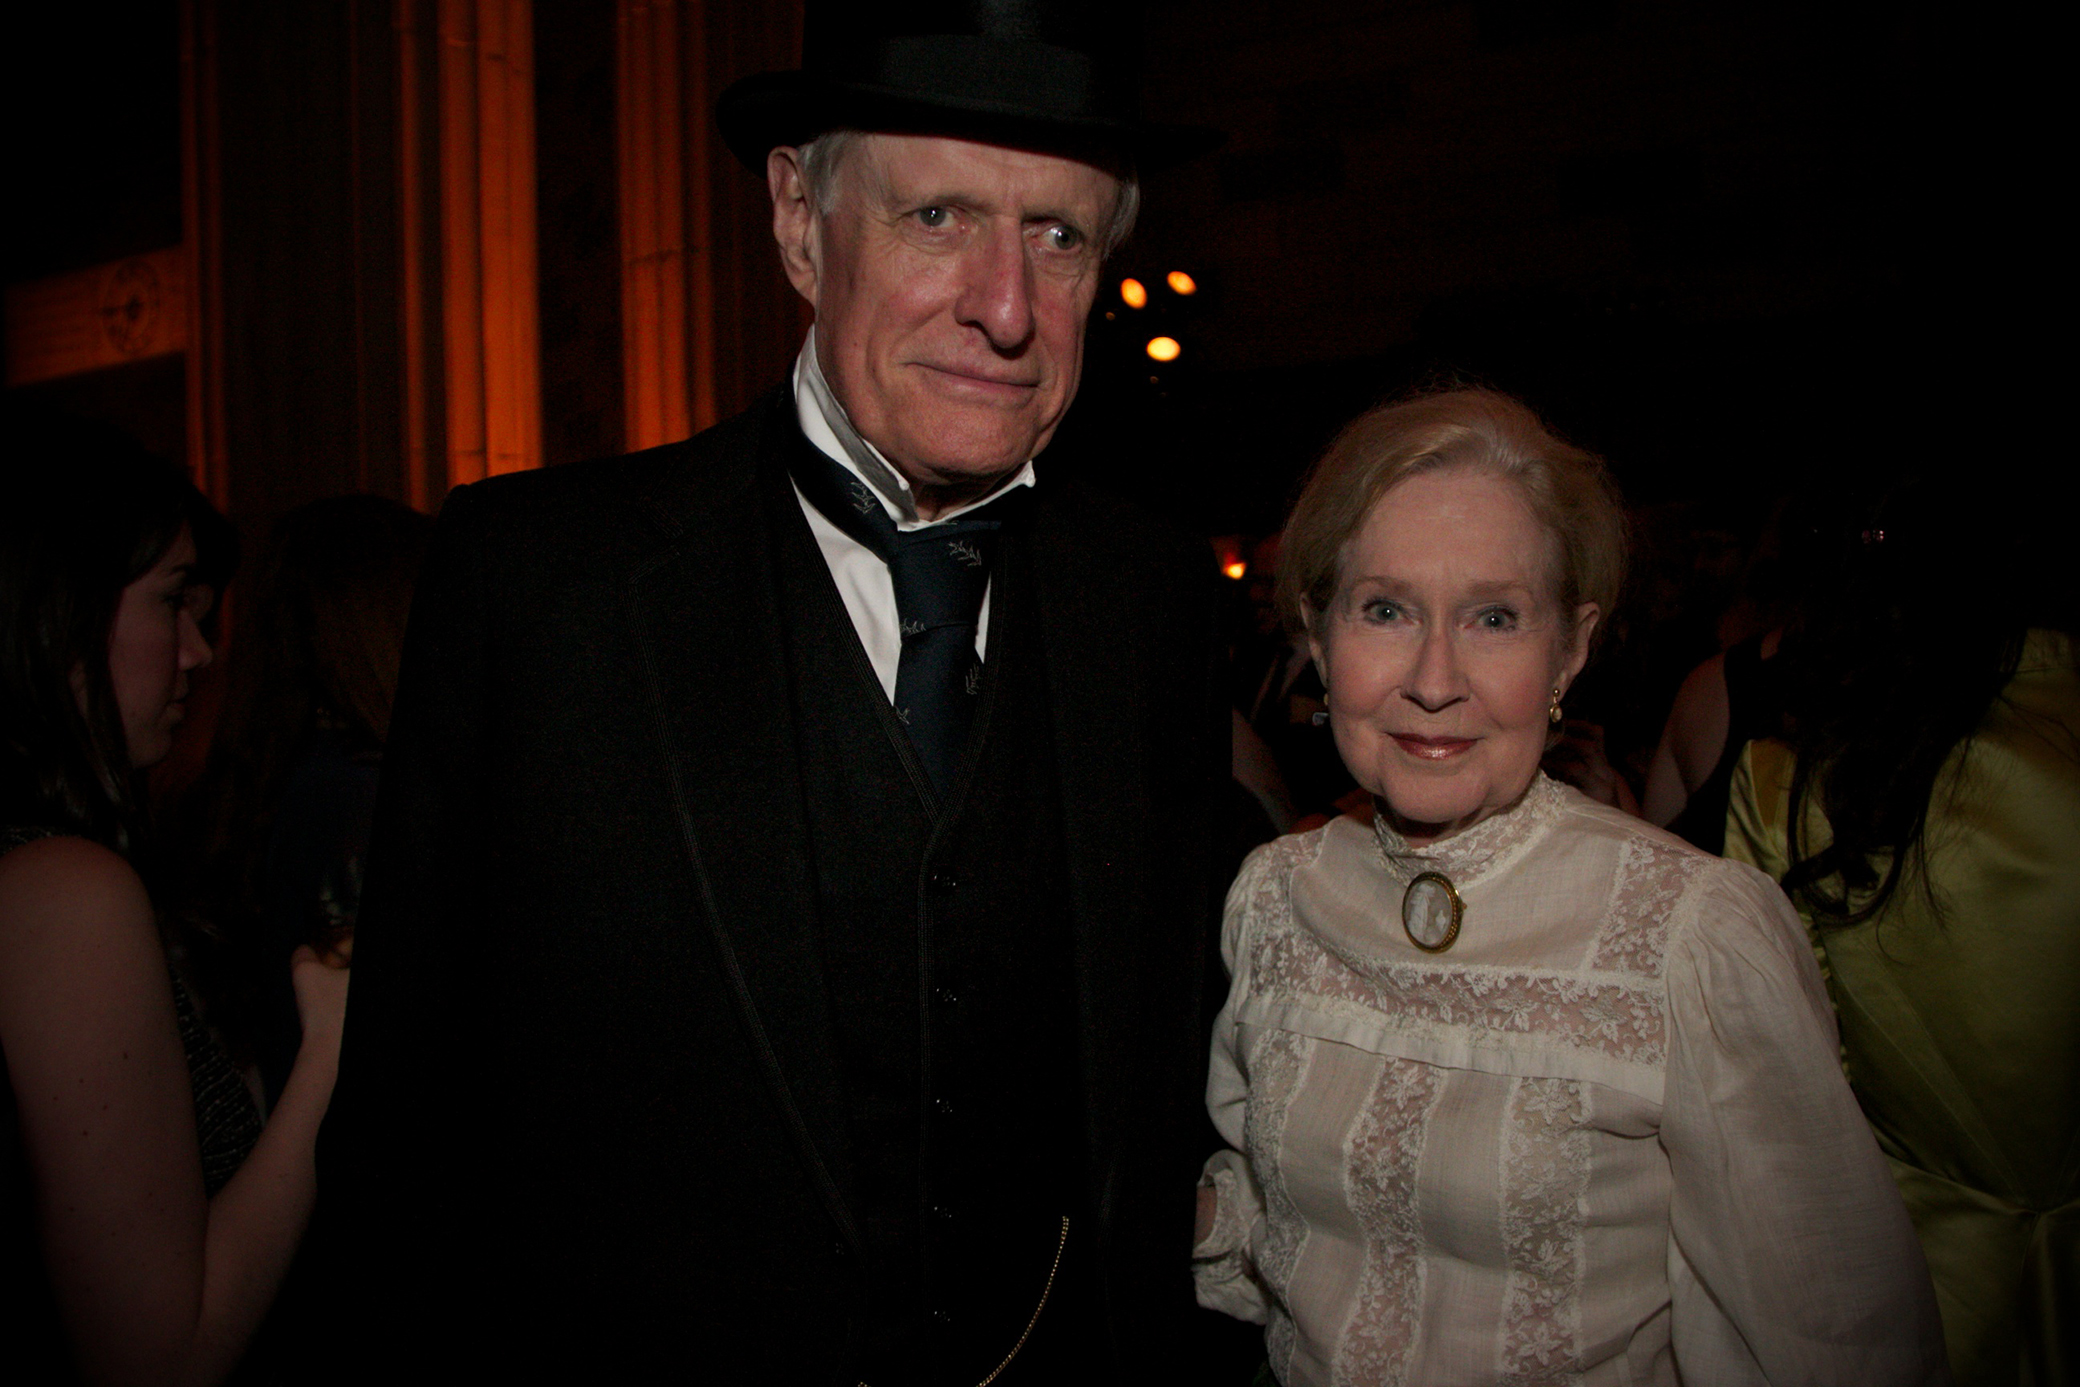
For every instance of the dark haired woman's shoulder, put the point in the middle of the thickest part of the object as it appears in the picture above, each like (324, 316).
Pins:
(56, 890)
(13, 836)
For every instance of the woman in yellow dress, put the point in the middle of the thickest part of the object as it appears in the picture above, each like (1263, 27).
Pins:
(1927, 826)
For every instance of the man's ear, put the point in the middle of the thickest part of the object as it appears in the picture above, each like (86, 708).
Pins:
(794, 221)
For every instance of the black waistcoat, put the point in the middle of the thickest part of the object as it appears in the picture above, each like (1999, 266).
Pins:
(946, 949)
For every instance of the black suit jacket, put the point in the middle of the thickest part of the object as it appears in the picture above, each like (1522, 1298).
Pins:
(588, 1120)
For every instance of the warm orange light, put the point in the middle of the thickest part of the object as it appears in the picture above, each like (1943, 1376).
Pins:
(1182, 283)
(1164, 348)
(1235, 568)
(1134, 292)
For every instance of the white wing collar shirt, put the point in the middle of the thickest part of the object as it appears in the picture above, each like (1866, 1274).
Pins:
(862, 578)
(1605, 1138)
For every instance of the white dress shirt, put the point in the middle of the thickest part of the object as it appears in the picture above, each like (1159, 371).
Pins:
(862, 578)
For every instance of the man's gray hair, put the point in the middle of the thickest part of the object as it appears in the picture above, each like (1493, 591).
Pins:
(822, 157)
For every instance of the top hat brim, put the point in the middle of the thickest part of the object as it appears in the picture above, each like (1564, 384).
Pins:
(761, 113)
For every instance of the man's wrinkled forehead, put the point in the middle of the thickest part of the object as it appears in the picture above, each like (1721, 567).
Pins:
(894, 168)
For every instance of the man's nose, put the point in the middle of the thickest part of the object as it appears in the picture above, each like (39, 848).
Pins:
(997, 288)
(1437, 681)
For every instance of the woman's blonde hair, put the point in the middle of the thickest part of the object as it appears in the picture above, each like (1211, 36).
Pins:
(1570, 493)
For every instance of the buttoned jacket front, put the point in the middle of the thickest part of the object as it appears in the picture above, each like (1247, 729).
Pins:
(589, 1119)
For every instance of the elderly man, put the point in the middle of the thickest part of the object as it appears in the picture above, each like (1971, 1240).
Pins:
(780, 957)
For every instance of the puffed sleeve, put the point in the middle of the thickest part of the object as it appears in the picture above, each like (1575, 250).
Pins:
(1223, 1270)
(1791, 1257)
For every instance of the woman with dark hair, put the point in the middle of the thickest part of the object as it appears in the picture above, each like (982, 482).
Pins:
(146, 1218)
(1925, 818)
(1518, 1088)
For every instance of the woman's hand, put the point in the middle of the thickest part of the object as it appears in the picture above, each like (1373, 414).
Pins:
(321, 995)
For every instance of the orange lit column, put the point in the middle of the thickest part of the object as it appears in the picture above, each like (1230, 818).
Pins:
(667, 309)
(490, 305)
(709, 321)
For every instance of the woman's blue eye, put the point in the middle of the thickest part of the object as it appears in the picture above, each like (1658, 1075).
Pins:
(1380, 611)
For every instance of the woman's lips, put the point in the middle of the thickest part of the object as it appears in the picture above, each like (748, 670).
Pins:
(1431, 748)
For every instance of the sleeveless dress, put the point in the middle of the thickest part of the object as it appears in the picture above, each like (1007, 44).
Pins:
(1754, 710)
(227, 1123)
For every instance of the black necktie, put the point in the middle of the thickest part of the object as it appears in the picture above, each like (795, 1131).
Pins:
(939, 574)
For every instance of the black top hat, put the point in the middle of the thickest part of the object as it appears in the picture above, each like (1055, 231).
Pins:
(1057, 75)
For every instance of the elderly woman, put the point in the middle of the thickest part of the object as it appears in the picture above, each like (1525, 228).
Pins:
(1521, 1088)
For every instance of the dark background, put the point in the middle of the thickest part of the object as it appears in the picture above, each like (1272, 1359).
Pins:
(1741, 249)
(1725, 244)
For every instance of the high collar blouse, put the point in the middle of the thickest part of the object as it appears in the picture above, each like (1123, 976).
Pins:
(1603, 1138)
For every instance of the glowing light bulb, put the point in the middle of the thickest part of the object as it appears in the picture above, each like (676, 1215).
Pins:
(1134, 292)
(1235, 568)
(1181, 283)
(1164, 348)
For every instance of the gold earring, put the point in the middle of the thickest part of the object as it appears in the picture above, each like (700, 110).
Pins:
(1553, 708)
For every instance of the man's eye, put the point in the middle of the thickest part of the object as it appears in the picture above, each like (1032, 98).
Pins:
(1061, 237)
(933, 217)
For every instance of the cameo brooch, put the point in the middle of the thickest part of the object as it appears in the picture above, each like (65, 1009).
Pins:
(1431, 911)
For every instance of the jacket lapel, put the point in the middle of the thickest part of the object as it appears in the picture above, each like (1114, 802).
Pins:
(708, 616)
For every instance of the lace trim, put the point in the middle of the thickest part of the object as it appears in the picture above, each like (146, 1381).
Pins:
(1275, 1065)
(1647, 893)
(1545, 1174)
(1467, 856)
(1386, 1148)
(1471, 1005)
(1615, 1007)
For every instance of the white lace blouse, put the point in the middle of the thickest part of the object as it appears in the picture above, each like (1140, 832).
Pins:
(1603, 1139)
